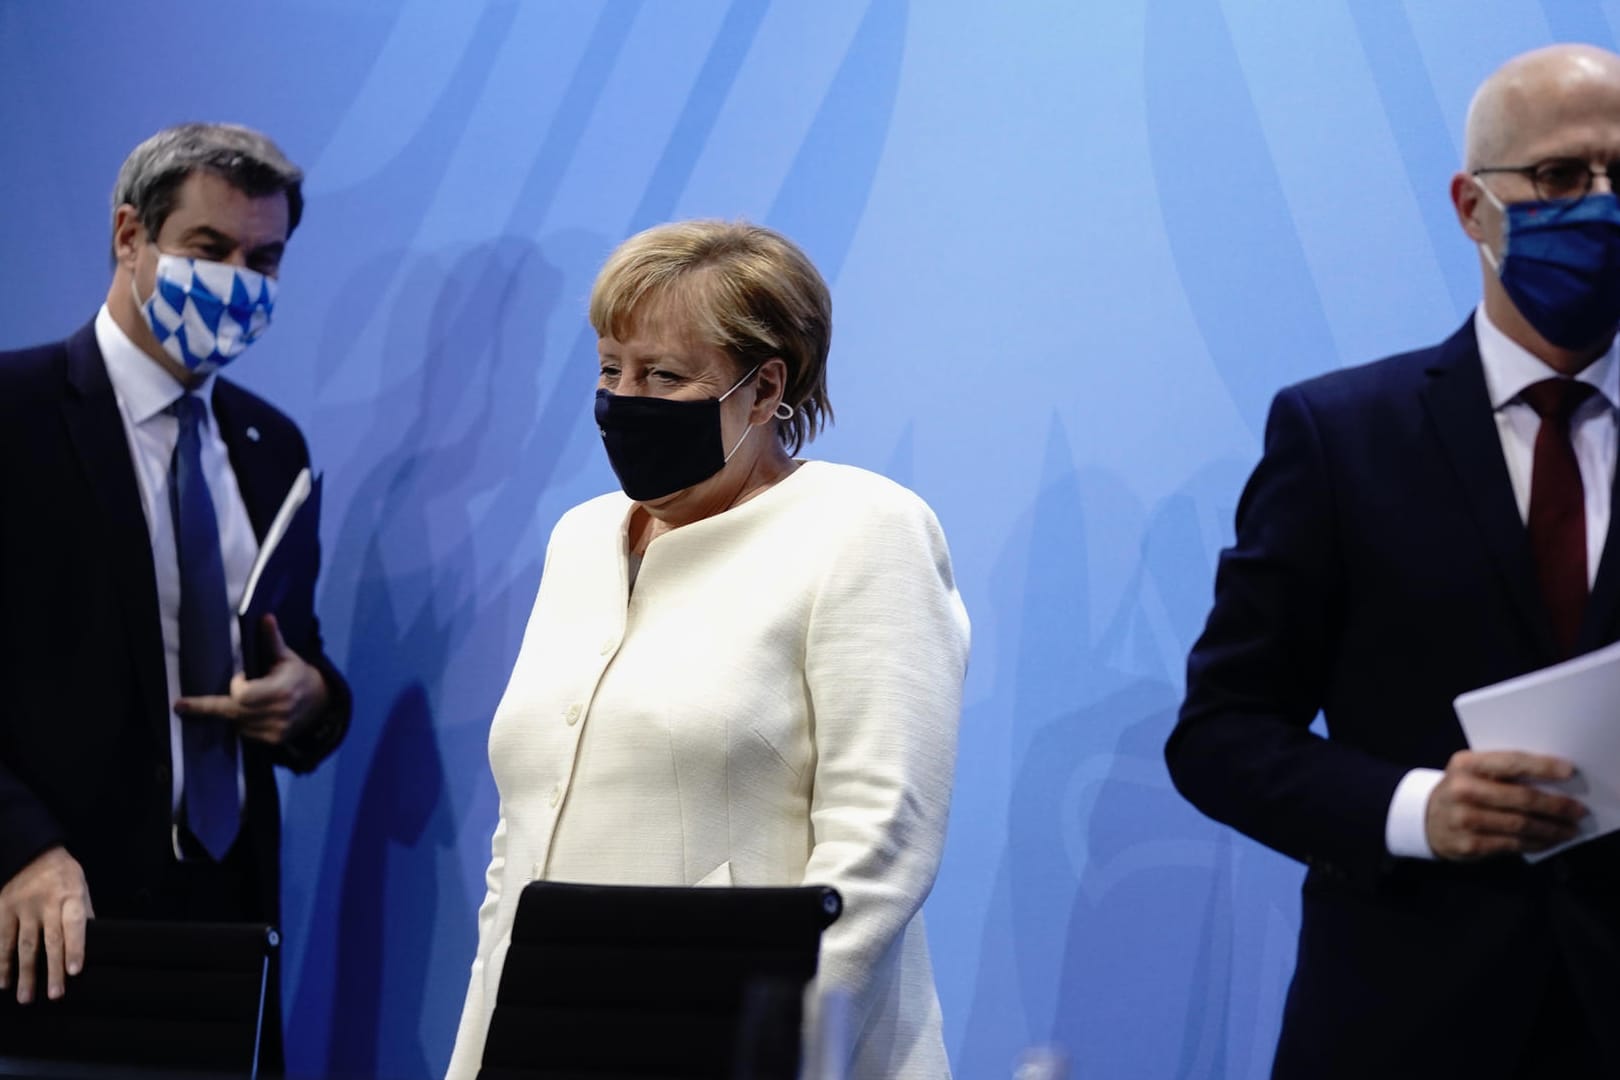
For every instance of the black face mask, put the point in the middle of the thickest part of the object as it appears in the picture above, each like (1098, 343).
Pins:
(658, 446)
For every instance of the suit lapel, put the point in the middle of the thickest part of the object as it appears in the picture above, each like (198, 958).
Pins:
(97, 430)
(253, 466)
(1597, 625)
(245, 446)
(1460, 408)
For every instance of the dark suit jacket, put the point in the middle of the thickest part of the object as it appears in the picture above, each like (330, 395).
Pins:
(1380, 569)
(84, 710)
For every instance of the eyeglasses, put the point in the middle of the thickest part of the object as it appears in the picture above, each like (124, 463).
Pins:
(1561, 177)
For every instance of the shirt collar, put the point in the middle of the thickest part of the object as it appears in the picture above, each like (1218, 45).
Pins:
(1510, 367)
(143, 387)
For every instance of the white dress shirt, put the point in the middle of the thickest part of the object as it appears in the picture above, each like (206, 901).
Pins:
(1509, 369)
(144, 392)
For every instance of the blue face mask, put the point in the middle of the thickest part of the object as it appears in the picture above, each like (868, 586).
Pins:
(205, 313)
(1560, 265)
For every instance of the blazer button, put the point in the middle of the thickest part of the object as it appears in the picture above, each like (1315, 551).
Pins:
(556, 795)
(607, 646)
(572, 715)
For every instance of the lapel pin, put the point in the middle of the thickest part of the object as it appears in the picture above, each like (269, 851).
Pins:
(253, 434)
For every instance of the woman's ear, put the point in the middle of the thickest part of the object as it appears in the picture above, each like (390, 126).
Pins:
(770, 387)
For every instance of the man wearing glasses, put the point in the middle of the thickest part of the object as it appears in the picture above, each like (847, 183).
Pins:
(1419, 527)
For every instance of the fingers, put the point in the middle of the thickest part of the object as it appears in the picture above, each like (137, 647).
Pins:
(274, 691)
(1511, 765)
(1471, 847)
(287, 699)
(1518, 799)
(8, 946)
(270, 631)
(269, 709)
(75, 912)
(1485, 805)
(55, 976)
(27, 956)
(216, 705)
(273, 732)
(1502, 779)
(43, 907)
(1536, 832)
(266, 704)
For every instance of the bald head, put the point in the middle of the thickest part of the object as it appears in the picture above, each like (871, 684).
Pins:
(1526, 96)
(1538, 121)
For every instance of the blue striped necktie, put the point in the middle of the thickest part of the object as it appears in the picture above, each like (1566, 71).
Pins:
(210, 808)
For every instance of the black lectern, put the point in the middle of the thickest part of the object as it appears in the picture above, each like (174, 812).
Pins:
(621, 982)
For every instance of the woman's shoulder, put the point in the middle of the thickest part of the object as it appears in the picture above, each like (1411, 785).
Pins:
(605, 513)
(847, 497)
(833, 483)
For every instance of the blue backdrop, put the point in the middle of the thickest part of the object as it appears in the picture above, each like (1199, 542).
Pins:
(1074, 249)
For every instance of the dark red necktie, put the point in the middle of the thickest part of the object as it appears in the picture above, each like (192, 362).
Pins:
(1557, 521)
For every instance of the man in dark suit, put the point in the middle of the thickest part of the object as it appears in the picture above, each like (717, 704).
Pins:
(1416, 528)
(136, 758)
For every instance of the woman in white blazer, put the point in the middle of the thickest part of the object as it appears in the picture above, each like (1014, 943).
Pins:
(746, 668)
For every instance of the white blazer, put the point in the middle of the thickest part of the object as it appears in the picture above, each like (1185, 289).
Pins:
(775, 701)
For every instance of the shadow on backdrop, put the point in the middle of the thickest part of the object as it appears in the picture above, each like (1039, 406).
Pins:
(428, 627)
(1149, 894)
(1170, 906)
(448, 428)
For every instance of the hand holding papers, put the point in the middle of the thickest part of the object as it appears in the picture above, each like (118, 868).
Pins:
(1570, 710)
(290, 546)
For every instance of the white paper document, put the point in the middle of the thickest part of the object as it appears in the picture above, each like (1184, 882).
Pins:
(1570, 710)
(301, 486)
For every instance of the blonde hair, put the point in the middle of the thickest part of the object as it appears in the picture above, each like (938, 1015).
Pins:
(745, 289)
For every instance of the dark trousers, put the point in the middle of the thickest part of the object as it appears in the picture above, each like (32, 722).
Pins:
(1561, 1042)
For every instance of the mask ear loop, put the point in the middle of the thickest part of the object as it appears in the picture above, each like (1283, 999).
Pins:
(751, 373)
(1484, 249)
(140, 305)
(783, 411)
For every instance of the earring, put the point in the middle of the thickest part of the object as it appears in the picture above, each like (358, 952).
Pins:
(783, 411)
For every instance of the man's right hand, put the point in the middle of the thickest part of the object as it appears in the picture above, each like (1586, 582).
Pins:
(46, 904)
(1484, 805)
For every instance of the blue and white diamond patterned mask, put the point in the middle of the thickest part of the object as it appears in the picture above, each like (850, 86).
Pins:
(205, 313)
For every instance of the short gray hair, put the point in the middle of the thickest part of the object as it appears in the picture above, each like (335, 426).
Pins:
(245, 159)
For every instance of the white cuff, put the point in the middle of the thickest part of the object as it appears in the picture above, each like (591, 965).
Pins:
(1406, 831)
